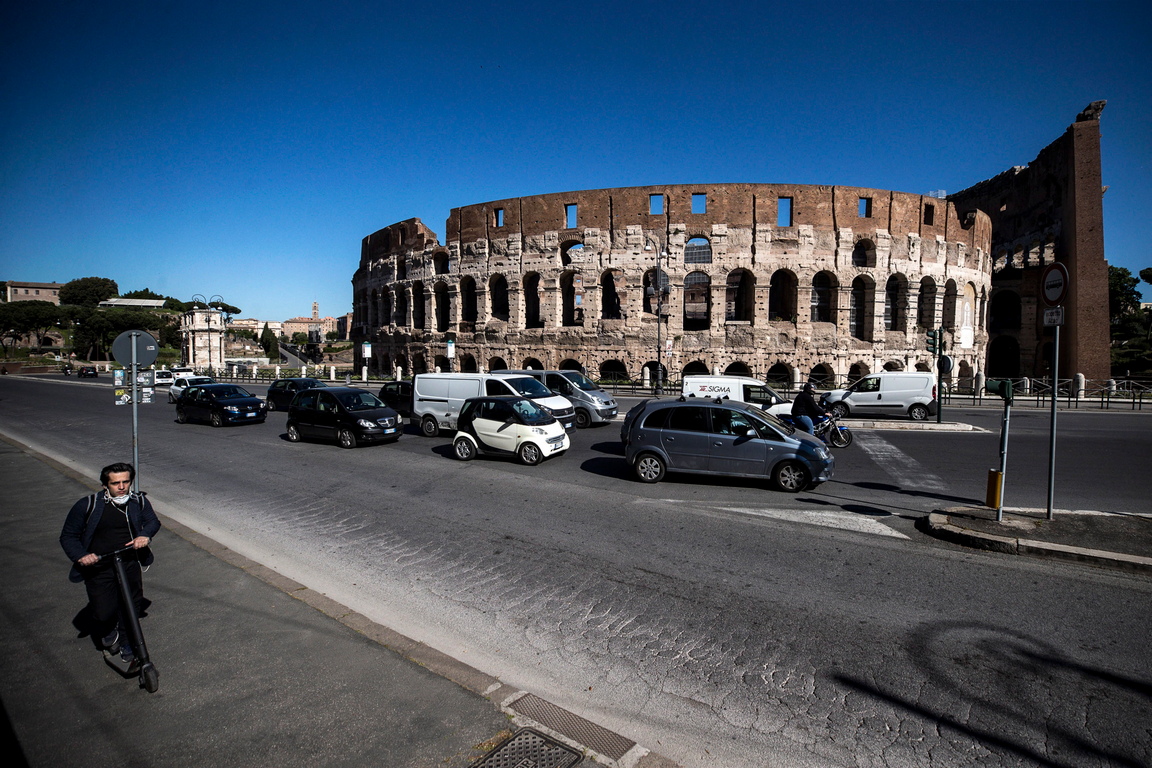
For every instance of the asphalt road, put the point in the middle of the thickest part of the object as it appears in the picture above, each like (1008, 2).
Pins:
(720, 623)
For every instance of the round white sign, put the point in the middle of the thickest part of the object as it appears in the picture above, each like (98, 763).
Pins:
(1054, 284)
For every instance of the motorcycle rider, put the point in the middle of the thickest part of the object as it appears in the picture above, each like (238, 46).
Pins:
(804, 407)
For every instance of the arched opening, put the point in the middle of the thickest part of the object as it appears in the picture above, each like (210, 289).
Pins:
(570, 250)
(926, 304)
(402, 307)
(467, 364)
(1005, 311)
(568, 364)
(822, 376)
(1004, 357)
(738, 369)
(948, 321)
(697, 301)
(443, 307)
(572, 297)
(402, 364)
(782, 296)
(419, 363)
(698, 251)
(467, 299)
(532, 364)
(864, 254)
(740, 297)
(441, 263)
(610, 284)
(651, 299)
(401, 268)
(896, 304)
(696, 368)
(613, 370)
(824, 298)
(443, 363)
(498, 296)
(860, 309)
(418, 316)
(385, 308)
(779, 375)
(893, 365)
(650, 368)
(497, 364)
(857, 372)
(923, 368)
(532, 318)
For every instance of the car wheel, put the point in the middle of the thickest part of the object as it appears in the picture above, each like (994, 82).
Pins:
(217, 420)
(530, 454)
(346, 438)
(650, 468)
(429, 427)
(918, 412)
(583, 420)
(840, 410)
(464, 449)
(790, 476)
(181, 416)
(170, 398)
(271, 405)
(293, 434)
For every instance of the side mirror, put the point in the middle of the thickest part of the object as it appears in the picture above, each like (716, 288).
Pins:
(750, 433)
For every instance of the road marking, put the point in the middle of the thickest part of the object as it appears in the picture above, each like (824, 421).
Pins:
(828, 518)
(901, 467)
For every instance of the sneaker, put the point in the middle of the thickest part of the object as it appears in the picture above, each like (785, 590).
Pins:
(126, 654)
(111, 642)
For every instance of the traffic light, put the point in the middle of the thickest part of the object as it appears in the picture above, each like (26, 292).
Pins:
(1001, 387)
(934, 339)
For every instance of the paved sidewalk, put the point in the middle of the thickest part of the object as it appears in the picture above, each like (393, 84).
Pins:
(255, 670)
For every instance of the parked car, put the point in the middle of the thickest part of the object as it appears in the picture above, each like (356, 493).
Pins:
(183, 382)
(438, 397)
(398, 396)
(219, 404)
(348, 415)
(593, 405)
(87, 372)
(718, 437)
(163, 378)
(281, 391)
(892, 393)
(510, 426)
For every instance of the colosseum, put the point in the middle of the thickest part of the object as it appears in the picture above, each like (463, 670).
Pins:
(785, 282)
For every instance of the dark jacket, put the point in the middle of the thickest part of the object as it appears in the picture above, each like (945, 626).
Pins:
(80, 527)
(805, 405)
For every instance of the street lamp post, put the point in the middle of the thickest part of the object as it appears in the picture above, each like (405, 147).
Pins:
(659, 290)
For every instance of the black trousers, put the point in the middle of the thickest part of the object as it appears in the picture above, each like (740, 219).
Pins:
(104, 605)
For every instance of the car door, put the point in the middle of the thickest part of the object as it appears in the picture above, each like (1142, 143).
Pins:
(866, 394)
(686, 438)
(733, 451)
(327, 415)
(496, 426)
(303, 412)
(192, 403)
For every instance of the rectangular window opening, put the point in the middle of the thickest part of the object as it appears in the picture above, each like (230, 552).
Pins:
(655, 205)
(570, 216)
(499, 217)
(865, 208)
(784, 212)
(699, 203)
(929, 214)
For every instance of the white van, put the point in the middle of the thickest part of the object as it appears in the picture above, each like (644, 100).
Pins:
(438, 397)
(742, 389)
(593, 405)
(891, 393)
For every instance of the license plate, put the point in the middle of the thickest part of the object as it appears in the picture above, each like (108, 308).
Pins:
(249, 415)
(568, 425)
(556, 447)
(390, 431)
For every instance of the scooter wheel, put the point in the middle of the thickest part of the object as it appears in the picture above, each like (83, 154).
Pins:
(149, 678)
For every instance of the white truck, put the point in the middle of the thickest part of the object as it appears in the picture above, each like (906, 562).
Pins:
(742, 389)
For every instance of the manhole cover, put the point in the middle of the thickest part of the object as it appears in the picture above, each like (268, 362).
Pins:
(530, 749)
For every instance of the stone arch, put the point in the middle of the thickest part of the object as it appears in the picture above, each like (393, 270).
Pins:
(738, 368)
(497, 364)
(893, 365)
(611, 283)
(697, 301)
(572, 299)
(650, 294)
(613, 370)
(864, 254)
(782, 295)
(443, 363)
(780, 375)
(824, 291)
(568, 364)
(926, 303)
(1004, 311)
(419, 316)
(698, 251)
(442, 305)
(402, 306)
(532, 364)
(858, 370)
(1004, 357)
(570, 249)
(419, 363)
(822, 376)
(532, 315)
(651, 368)
(441, 263)
(500, 306)
(467, 292)
(860, 310)
(896, 303)
(467, 363)
(948, 320)
(740, 296)
(696, 368)
(923, 368)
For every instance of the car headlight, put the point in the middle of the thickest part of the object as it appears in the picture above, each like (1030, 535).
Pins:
(231, 409)
(538, 431)
(366, 424)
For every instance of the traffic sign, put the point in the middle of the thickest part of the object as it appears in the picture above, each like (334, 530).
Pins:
(1054, 284)
(1053, 316)
(146, 348)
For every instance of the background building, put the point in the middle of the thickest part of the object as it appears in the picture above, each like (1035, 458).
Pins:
(18, 291)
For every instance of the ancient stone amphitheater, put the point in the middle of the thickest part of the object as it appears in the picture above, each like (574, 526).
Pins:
(787, 282)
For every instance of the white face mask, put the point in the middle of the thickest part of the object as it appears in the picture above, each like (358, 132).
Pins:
(121, 500)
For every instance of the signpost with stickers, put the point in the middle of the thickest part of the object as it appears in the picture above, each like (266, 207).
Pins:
(1054, 286)
(134, 350)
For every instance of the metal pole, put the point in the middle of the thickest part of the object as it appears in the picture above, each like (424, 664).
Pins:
(939, 378)
(1052, 422)
(659, 322)
(135, 416)
(1003, 458)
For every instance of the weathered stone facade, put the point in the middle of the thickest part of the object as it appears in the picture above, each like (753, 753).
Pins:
(785, 281)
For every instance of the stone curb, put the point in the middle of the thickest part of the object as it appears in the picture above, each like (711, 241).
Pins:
(940, 525)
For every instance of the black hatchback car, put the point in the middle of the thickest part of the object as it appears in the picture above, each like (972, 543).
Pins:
(219, 404)
(281, 391)
(348, 415)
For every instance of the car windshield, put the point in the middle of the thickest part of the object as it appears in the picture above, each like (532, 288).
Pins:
(581, 381)
(199, 380)
(228, 393)
(532, 413)
(359, 401)
(768, 419)
(312, 383)
(529, 387)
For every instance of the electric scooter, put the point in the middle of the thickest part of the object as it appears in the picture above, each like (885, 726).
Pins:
(149, 675)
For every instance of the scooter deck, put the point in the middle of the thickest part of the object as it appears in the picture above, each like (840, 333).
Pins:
(126, 669)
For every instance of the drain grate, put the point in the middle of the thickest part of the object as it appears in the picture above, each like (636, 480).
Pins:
(572, 726)
(530, 749)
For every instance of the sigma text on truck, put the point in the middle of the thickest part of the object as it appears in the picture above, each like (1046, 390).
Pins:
(742, 389)
(438, 397)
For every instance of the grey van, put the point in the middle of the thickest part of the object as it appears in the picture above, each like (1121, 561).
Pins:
(593, 405)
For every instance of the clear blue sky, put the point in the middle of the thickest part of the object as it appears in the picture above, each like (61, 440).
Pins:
(245, 148)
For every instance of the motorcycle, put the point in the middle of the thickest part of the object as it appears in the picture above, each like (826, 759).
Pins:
(827, 428)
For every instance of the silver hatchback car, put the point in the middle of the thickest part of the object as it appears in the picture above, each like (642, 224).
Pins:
(721, 437)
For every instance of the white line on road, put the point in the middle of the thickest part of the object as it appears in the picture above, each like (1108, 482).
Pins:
(828, 518)
(901, 467)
